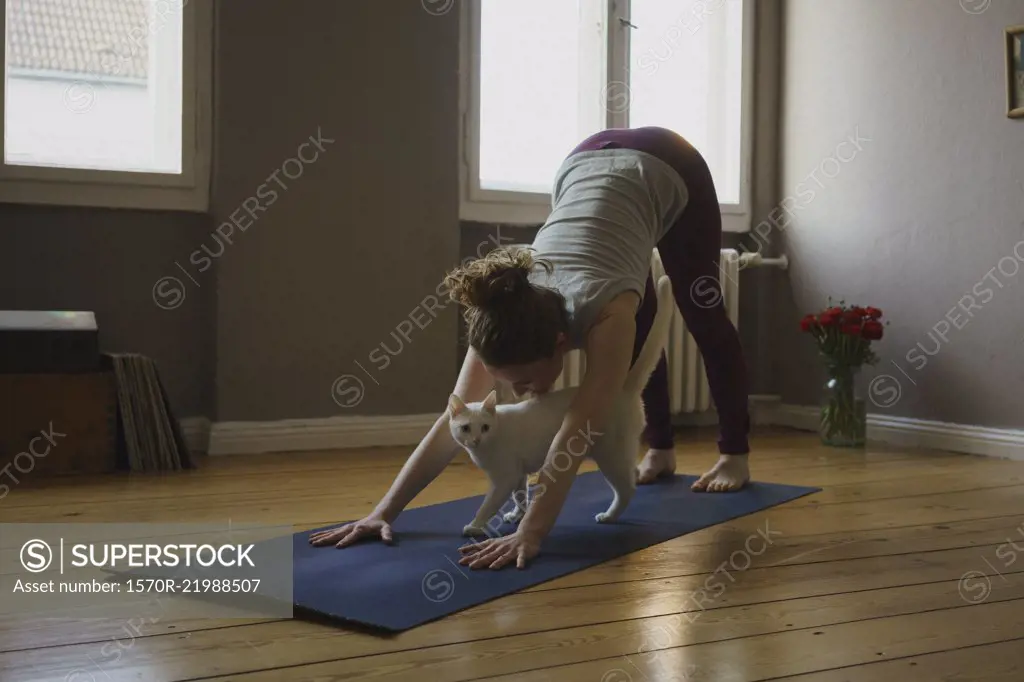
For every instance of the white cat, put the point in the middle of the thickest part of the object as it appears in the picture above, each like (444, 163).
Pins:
(510, 442)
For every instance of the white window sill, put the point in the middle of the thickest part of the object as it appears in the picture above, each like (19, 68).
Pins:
(104, 195)
(506, 213)
(503, 212)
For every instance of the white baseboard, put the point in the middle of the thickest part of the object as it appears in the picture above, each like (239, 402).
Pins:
(337, 433)
(330, 433)
(916, 433)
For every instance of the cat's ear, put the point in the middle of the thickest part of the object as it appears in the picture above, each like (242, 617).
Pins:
(491, 401)
(455, 405)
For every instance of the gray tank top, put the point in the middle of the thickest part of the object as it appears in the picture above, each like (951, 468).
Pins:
(610, 208)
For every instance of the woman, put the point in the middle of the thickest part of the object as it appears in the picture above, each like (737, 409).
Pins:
(617, 196)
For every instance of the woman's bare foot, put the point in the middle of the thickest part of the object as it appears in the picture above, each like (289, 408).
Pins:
(731, 472)
(655, 464)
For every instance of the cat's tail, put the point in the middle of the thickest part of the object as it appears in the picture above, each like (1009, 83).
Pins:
(650, 354)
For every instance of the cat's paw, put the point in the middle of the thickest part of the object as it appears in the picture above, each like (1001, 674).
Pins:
(604, 517)
(471, 531)
(514, 516)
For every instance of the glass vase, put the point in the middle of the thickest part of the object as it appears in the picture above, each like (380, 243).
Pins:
(843, 411)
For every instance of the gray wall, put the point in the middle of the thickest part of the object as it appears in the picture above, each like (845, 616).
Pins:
(54, 258)
(923, 215)
(340, 262)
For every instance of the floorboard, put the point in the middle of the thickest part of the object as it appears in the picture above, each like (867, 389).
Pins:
(863, 581)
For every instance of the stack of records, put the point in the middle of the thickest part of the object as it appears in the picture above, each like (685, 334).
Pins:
(149, 435)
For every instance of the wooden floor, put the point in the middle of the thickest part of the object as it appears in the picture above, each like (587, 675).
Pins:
(864, 581)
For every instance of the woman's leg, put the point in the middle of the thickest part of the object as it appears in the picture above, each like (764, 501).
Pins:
(657, 409)
(690, 254)
(695, 276)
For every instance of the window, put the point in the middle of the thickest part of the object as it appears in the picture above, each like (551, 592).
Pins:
(540, 76)
(107, 103)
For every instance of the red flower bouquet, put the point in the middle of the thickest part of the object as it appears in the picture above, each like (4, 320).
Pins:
(843, 335)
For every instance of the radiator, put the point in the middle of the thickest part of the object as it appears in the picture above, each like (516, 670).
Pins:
(688, 383)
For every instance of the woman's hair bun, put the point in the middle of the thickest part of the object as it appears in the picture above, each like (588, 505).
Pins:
(485, 282)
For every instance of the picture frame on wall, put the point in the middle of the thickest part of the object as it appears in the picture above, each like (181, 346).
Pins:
(1015, 71)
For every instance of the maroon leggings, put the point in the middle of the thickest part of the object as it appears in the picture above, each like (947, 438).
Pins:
(690, 252)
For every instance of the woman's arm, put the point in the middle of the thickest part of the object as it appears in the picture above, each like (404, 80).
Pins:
(609, 350)
(438, 448)
(426, 463)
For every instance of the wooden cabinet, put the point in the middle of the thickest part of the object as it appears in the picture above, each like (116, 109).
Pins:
(52, 424)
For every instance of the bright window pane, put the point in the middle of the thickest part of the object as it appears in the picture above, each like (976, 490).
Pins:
(94, 84)
(539, 88)
(686, 74)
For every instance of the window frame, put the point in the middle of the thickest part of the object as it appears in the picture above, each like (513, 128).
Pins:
(187, 191)
(529, 208)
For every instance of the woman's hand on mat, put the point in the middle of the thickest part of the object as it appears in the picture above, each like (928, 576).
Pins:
(343, 536)
(497, 553)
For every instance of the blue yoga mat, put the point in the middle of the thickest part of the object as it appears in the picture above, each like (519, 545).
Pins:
(418, 579)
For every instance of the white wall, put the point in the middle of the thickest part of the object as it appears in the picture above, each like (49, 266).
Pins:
(923, 215)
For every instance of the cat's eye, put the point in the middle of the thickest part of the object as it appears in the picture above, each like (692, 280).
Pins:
(465, 428)
(485, 427)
